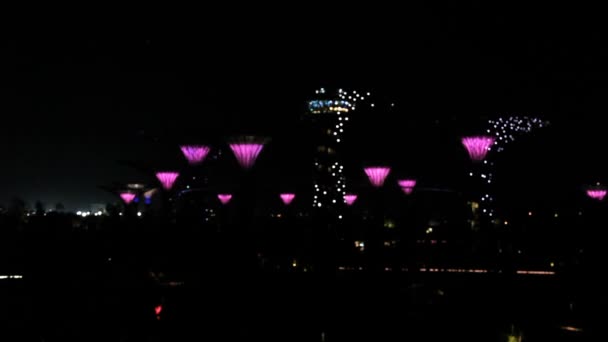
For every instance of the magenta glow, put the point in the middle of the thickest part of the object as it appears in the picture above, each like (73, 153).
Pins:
(350, 199)
(167, 178)
(127, 197)
(195, 154)
(377, 174)
(597, 194)
(478, 147)
(287, 198)
(406, 190)
(224, 198)
(407, 185)
(246, 153)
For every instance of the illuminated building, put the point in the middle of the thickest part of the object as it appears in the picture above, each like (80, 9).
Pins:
(329, 114)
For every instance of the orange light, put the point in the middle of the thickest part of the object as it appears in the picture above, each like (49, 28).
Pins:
(571, 328)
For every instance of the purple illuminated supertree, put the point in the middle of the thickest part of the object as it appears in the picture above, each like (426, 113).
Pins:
(350, 199)
(377, 174)
(407, 185)
(128, 197)
(167, 178)
(287, 198)
(246, 149)
(478, 146)
(224, 198)
(597, 193)
(195, 154)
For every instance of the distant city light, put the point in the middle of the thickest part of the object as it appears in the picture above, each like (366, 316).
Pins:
(127, 197)
(224, 198)
(478, 146)
(287, 198)
(377, 174)
(195, 154)
(167, 178)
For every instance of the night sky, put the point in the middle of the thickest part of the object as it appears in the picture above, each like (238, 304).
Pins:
(76, 105)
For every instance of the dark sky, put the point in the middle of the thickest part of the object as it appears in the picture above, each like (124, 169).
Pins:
(77, 103)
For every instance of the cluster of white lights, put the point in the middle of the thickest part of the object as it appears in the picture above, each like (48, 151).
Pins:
(506, 130)
(88, 213)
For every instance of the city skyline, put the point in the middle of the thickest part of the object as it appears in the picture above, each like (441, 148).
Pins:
(83, 105)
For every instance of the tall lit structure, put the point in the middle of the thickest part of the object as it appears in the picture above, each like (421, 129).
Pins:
(329, 114)
(503, 130)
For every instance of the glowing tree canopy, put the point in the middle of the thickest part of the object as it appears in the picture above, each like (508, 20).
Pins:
(478, 147)
(127, 197)
(597, 194)
(287, 198)
(224, 198)
(407, 185)
(350, 199)
(195, 154)
(377, 174)
(246, 150)
(167, 178)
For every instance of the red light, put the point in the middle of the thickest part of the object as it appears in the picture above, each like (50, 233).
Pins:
(158, 309)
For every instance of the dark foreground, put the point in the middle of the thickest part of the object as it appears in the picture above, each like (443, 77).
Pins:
(301, 307)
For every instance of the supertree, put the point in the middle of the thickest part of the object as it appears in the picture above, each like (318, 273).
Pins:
(478, 146)
(350, 199)
(224, 198)
(407, 185)
(167, 178)
(195, 154)
(127, 197)
(329, 113)
(287, 198)
(246, 149)
(597, 194)
(377, 174)
(504, 130)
